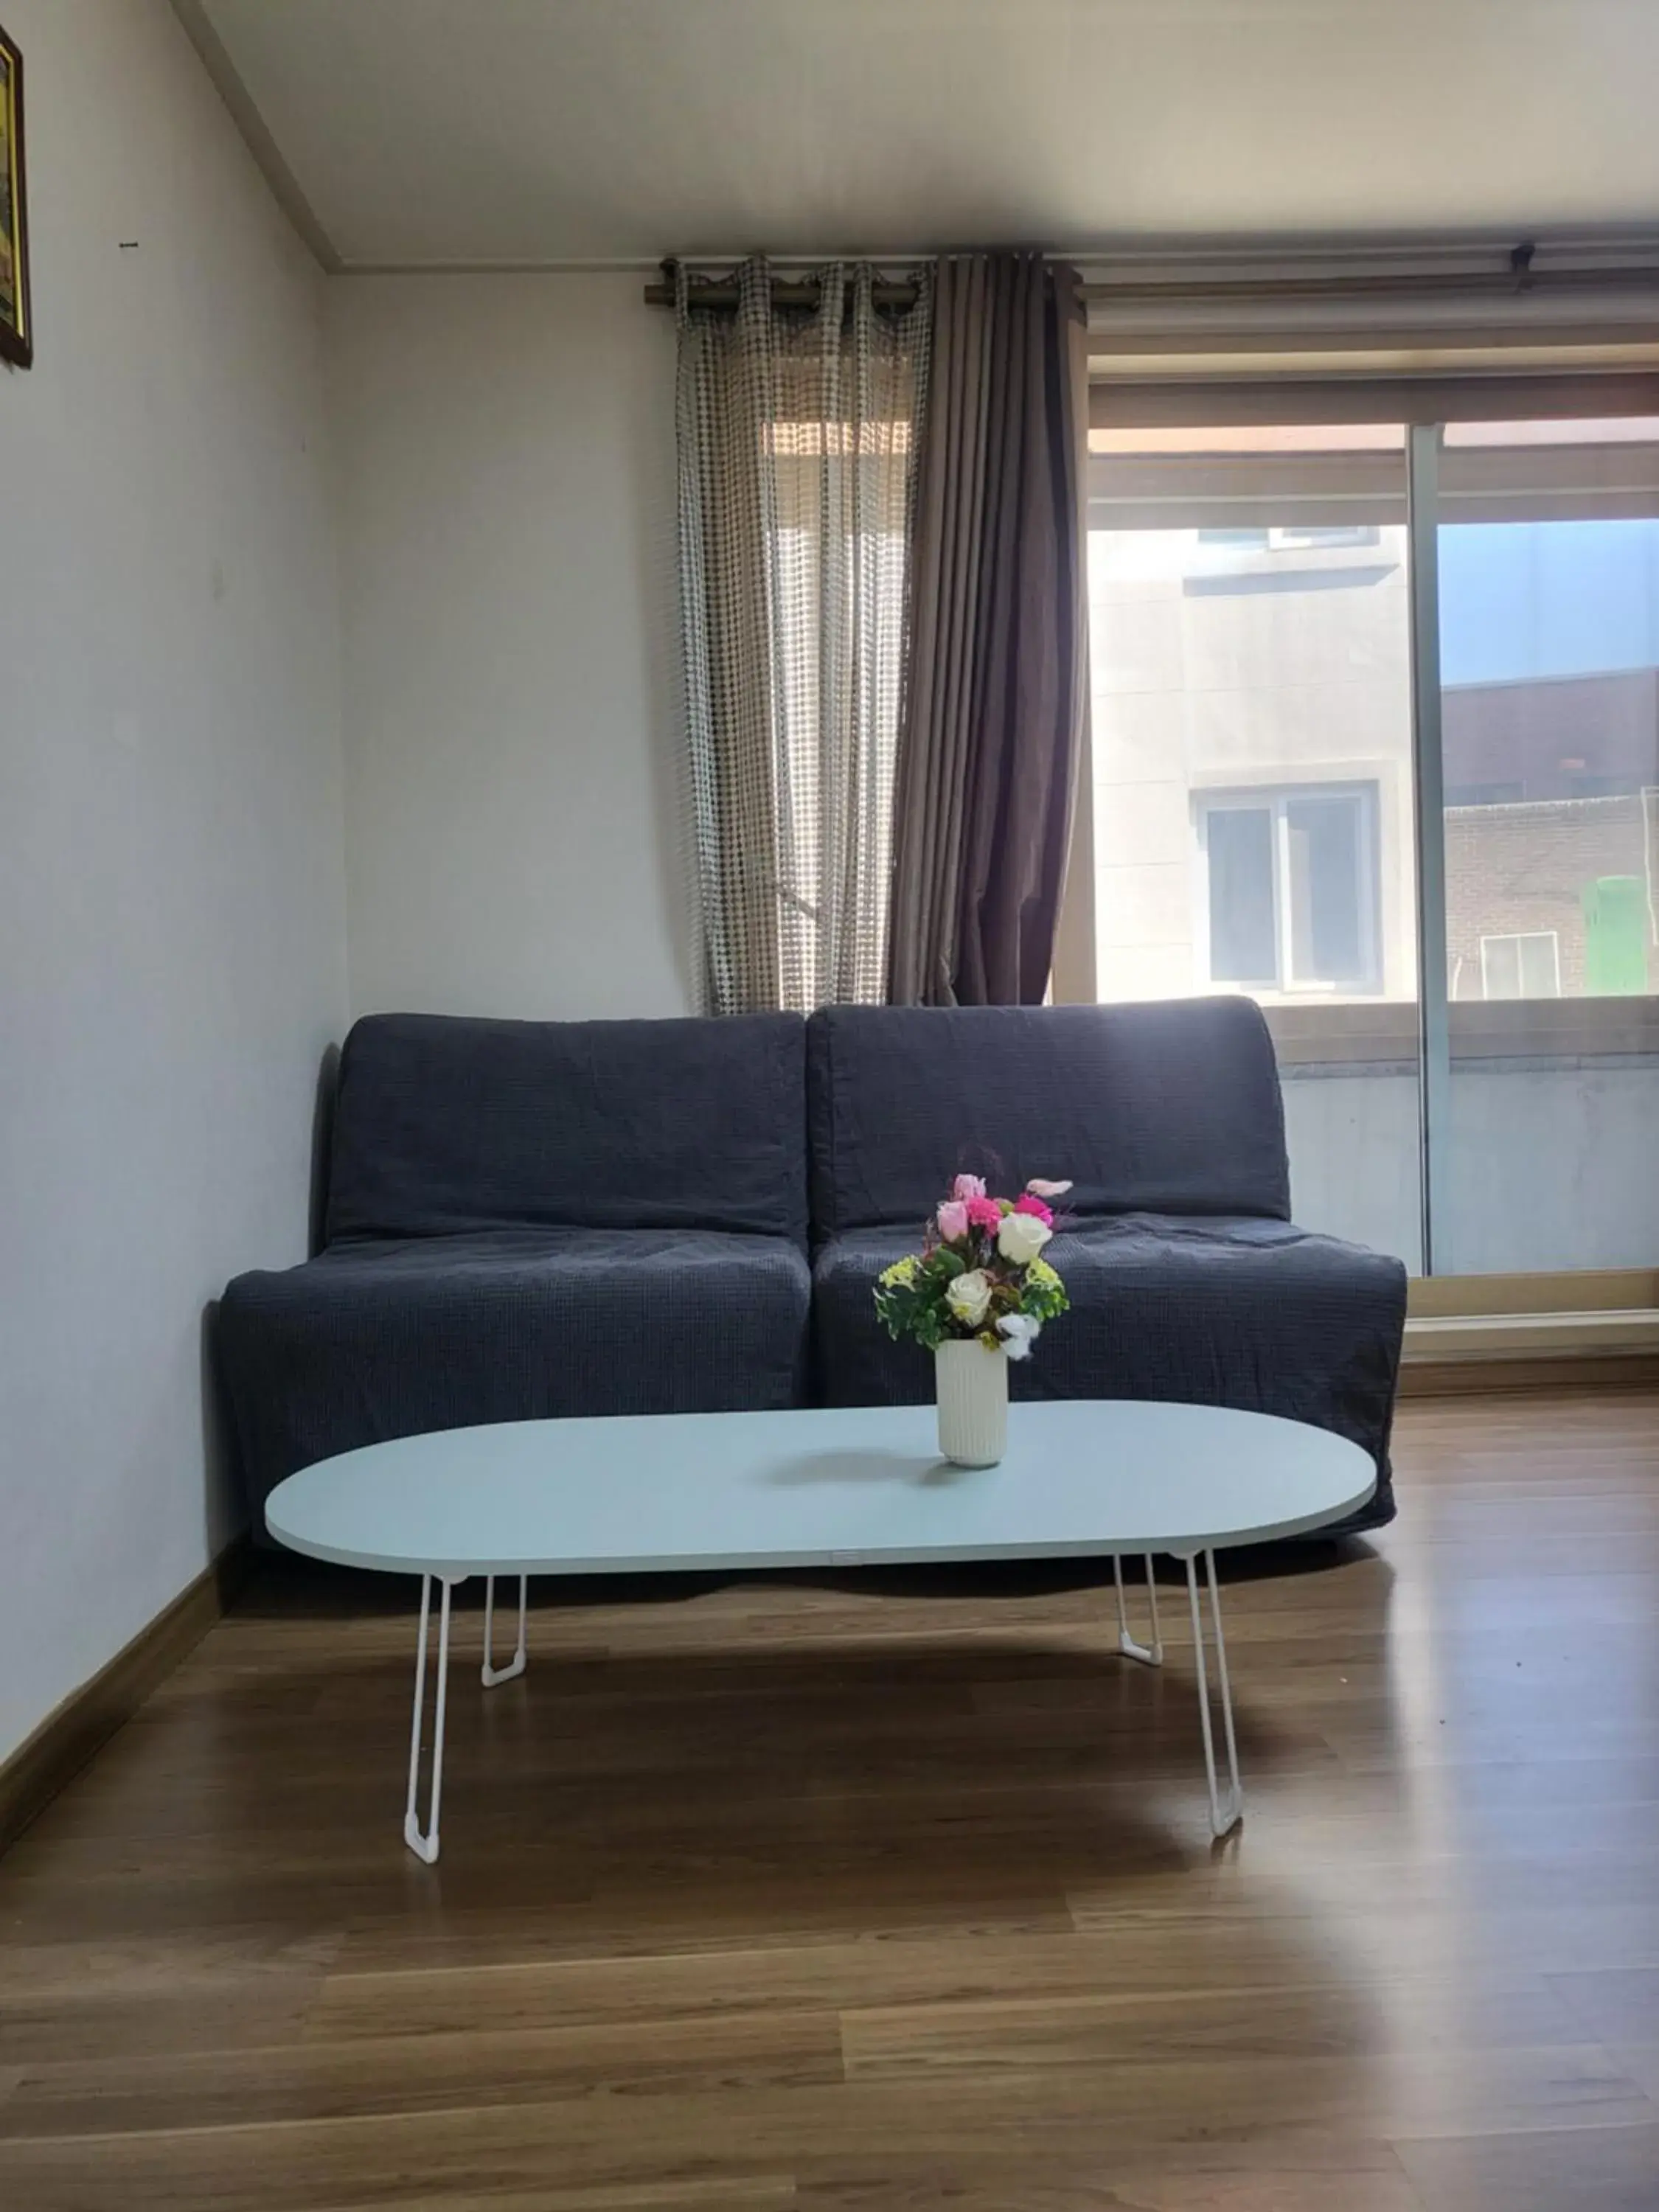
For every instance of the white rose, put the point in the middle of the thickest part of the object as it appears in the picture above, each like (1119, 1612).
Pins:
(968, 1296)
(1021, 1238)
(1018, 1332)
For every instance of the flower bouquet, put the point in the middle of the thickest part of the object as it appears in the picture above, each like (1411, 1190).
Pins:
(976, 1295)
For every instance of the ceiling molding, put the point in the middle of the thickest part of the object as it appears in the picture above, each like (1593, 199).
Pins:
(285, 185)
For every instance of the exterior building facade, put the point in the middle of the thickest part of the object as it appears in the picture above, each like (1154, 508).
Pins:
(1253, 786)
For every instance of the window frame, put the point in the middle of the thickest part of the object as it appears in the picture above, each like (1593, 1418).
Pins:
(1324, 537)
(1519, 938)
(1182, 489)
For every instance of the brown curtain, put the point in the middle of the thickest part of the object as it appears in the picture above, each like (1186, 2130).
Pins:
(991, 723)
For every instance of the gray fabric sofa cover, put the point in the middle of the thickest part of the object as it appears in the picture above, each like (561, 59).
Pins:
(1188, 1279)
(535, 1219)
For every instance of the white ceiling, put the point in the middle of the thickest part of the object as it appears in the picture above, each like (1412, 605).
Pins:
(532, 132)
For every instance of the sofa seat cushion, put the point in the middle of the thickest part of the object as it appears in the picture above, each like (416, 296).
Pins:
(1252, 1313)
(388, 1337)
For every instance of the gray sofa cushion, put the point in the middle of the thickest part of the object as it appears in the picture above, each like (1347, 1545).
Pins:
(1171, 1108)
(383, 1339)
(1245, 1312)
(444, 1125)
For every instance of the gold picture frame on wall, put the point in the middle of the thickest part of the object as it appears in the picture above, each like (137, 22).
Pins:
(16, 322)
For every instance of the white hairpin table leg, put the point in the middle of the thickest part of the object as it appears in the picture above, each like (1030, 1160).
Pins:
(492, 1673)
(426, 1846)
(1225, 1812)
(1151, 1655)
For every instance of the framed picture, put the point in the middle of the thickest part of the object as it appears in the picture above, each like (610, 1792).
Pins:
(16, 328)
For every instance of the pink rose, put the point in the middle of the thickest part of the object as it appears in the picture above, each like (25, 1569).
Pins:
(1039, 1188)
(966, 1186)
(1033, 1205)
(952, 1220)
(984, 1212)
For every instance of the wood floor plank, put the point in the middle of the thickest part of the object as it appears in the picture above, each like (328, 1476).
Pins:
(729, 2193)
(1232, 2180)
(1114, 2115)
(894, 1892)
(95, 2001)
(473, 2067)
(1600, 2170)
(999, 2035)
(1620, 2004)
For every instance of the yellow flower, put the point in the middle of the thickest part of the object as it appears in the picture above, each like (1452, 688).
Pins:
(901, 1271)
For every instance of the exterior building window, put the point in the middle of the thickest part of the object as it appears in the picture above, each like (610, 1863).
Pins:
(1294, 538)
(1299, 537)
(1289, 888)
(1524, 966)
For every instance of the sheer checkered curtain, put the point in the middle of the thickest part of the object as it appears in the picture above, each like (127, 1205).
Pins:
(798, 436)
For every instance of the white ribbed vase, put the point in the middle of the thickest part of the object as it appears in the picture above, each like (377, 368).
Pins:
(973, 1403)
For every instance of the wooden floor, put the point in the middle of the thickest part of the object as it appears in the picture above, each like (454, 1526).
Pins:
(778, 1895)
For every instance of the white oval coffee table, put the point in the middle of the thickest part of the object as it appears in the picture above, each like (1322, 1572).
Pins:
(839, 1486)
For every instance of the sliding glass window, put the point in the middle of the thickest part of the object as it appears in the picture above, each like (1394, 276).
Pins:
(1253, 786)
(1258, 817)
(1548, 562)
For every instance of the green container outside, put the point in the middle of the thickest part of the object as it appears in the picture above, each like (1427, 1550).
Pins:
(1615, 937)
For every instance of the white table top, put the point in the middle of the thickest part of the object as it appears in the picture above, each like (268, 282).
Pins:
(850, 1485)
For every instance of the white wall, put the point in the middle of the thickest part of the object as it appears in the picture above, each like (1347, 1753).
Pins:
(171, 872)
(510, 645)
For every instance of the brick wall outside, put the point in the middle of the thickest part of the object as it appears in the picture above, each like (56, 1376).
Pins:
(1539, 736)
(1522, 868)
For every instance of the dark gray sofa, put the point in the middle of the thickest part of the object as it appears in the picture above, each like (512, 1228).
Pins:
(1187, 1277)
(539, 1218)
(530, 1218)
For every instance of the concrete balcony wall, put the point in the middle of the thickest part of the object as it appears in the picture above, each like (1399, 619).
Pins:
(1554, 1165)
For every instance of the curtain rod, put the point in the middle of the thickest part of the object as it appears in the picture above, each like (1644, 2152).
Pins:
(1485, 282)
(1518, 279)
(787, 292)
